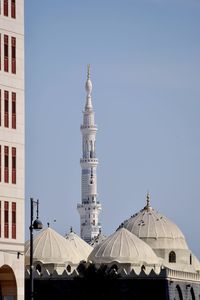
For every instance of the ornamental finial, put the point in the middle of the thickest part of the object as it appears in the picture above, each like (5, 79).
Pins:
(88, 88)
(148, 206)
(148, 199)
(88, 72)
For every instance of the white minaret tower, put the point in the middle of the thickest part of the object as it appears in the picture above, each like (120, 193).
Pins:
(90, 208)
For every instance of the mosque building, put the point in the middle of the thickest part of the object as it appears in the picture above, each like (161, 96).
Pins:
(11, 149)
(147, 257)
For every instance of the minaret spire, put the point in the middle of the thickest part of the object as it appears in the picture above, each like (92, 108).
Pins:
(89, 208)
(88, 71)
(88, 88)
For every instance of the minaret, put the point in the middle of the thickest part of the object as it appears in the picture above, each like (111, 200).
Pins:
(90, 208)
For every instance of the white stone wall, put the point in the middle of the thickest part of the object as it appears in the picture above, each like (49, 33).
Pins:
(9, 247)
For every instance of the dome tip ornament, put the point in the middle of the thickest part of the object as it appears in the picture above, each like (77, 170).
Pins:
(148, 206)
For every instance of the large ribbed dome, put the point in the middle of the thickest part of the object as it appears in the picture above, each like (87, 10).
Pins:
(155, 229)
(50, 247)
(83, 248)
(123, 247)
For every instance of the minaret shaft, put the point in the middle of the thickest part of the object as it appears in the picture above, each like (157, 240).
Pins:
(89, 208)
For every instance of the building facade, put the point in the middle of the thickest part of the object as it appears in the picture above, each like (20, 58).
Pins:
(90, 207)
(11, 149)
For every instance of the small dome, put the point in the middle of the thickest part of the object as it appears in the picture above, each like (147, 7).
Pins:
(156, 230)
(83, 248)
(123, 247)
(50, 247)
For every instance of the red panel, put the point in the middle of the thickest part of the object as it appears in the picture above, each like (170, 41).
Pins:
(13, 9)
(6, 109)
(6, 62)
(13, 52)
(6, 164)
(13, 165)
(14, 110)
(6, 219)
(5, 8)
(14, 220)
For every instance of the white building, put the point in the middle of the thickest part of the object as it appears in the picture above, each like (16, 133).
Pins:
(12, 149)
(89, 208)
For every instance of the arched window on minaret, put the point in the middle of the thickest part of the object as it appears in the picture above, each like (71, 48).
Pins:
(91, 150)
(94, 148)
(86, 149)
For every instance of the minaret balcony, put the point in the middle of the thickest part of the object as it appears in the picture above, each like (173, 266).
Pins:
(89, 126)
(89, 160)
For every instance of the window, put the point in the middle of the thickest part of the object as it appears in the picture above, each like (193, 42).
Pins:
(5, 53)
(14, 110)
(13, 220)
(6, 219)
(6, 109)
(190, 259)
(13, 9)
(172, 257)
(13, 53)
(6, 164)
(5, 8)
(13, 165)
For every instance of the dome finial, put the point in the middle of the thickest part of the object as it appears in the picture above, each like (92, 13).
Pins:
(148, 199)
(148, 206)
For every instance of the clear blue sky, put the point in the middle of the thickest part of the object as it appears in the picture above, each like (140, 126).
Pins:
(145, 65)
